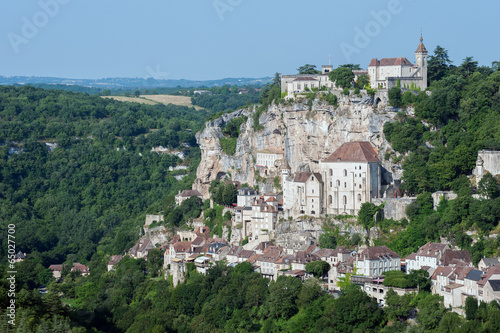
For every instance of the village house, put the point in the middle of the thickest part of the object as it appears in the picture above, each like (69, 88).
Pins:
(113, 261)
(374, 261)
(427, 255)
(300, 83)
(303, 194)
(186, 194)
(141, 248)
(76, 267)
(484, 263)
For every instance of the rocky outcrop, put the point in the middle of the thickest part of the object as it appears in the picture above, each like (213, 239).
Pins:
(307, 134)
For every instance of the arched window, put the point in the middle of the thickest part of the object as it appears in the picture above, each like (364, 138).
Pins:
(345, 173)
(329, 199)
(345, 200)
(331, 172)
(359, 197)
(338, 182)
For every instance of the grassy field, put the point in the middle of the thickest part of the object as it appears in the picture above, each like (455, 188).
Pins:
(131, 99)
(156, 99)
(170, 99)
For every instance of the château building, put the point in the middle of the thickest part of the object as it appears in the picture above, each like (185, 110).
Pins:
(386, 72)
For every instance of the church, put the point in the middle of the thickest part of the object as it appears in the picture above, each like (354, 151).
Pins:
(347, 178)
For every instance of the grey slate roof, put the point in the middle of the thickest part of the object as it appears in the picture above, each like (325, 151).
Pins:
(474, 275)
(495, 285)
(490, 261)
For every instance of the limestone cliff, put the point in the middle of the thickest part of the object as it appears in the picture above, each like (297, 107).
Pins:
(307, 134)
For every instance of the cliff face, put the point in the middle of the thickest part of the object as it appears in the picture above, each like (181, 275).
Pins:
(306, 134)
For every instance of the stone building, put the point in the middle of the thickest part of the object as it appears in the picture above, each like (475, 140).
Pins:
(300, 83)
(374, 261)
(386, 72)
(303, 194)
(487, 161)
(186, 194)
(269, 160)
(351, 177)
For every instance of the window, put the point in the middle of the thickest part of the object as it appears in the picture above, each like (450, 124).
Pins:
(312, 200)
(331, 184)
(338, 182)
(312, 191)
(345, 185)
(298, 86)
(331, 172)
(359, 185)
(345, 200)
(360, 175)
(345, 173)
(359, 197)
(330, 199)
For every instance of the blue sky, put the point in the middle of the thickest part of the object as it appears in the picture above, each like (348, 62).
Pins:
(212, 39)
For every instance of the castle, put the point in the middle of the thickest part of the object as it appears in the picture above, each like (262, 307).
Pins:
(347, 178)
(384, 74)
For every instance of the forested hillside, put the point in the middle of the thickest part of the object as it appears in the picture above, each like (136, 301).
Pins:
(92, 191)
(439, 145)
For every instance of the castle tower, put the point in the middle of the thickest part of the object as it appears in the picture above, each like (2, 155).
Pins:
(421, 61)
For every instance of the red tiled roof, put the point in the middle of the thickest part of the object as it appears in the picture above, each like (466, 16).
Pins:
(79, 267)
(358, 151)
(115, 259)
(400, 61)
(57, 268)
(430, 249)
(305, 79)
(271, 199)
(421, 47)
(450, 256)
(198, 241)
(411, 256)
(302, 177)
(190, 193)
(182, 246)
(375, 252)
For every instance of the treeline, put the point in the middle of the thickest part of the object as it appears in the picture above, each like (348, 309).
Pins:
(91, 192)
(226, 98)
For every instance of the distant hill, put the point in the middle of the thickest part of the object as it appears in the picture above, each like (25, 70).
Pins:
(128, 83)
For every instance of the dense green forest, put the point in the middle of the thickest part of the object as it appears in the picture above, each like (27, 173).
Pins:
(91, 192)
(130, 299)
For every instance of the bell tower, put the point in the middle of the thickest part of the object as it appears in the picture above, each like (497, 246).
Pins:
(421, 61)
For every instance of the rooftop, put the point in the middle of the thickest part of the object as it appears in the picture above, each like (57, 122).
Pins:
(357, 151)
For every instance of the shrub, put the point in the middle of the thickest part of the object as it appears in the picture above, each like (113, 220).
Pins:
(346, 92)
(228, 145)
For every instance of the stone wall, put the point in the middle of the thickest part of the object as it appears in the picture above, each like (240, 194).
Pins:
(395, 208)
